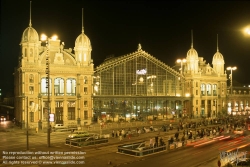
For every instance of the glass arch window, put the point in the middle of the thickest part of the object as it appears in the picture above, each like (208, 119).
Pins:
(44, 89)
(59, 87)
(71, 87)
(214, 90)
(203, 89)
(209, 89)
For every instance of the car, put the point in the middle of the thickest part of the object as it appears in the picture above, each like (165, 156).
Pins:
(2, 119)
(238, 131)
(77, 134)
(240, 163)
(94, 135)
(59, 126)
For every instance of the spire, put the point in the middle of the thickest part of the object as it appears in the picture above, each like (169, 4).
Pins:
(217, 43)
(82, 22)
(192, 45)
(30, 15)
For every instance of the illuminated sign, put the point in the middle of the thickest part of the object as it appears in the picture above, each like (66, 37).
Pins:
(141, 72)
(51, 117)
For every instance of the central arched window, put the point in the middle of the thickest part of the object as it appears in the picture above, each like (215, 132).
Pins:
(71, 87)
(209, 90)
(59, 87)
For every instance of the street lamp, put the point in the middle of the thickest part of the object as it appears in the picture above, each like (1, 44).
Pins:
(45, 39)
(231, 77)
(181, 61)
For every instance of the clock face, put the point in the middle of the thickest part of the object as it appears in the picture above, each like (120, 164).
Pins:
(141, 79)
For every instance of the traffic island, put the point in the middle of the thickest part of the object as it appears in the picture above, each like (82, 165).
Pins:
(140, 149)
(84, 141)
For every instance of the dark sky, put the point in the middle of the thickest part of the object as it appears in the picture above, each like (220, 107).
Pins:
(116, 27)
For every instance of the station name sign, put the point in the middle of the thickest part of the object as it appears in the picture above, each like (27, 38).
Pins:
(141, 72)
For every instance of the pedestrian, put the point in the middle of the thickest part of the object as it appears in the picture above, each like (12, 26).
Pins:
(219, 163)
(156, 141)
(161, 142)
(120, 137)
(139, 132)
(151, 142)
(113, 133)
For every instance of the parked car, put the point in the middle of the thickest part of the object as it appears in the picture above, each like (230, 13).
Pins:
(76, 134)
(2, 119)
(94, 135)
(59, 126)
(238, 131)
(242, 163)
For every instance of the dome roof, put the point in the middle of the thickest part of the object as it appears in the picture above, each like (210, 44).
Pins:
(192, 54)
(218, 57)
(82, 40)
(30, 35)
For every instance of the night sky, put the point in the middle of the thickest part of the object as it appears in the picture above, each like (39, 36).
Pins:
(116, 27)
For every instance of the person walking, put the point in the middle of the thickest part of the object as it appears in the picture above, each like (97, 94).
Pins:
(151, 142)
(156, 141)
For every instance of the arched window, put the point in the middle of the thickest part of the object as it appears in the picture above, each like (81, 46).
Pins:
(209, 89)
(71, 87)
(214, 90)
(44, 88)
(203, 89)
(59, 87)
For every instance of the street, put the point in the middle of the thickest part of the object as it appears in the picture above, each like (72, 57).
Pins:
(195, 155)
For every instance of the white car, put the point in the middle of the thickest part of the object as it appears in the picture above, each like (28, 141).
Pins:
(238, 131)
(59, 126)
(76, 134)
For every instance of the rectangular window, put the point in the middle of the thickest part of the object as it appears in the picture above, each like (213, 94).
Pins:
(71, 113)
(196, 102)
(31, 116)
(196, 92)
(31, 90)
(85, 90)
(71, 110)
(85, 103)
(85, 114)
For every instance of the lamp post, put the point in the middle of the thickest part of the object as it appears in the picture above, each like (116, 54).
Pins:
(45, 40)
(27, 122)
(231, 77)
(181, 61)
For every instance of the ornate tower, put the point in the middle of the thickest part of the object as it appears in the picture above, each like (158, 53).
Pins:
(192, 58)
(218, 61)
(83, 48)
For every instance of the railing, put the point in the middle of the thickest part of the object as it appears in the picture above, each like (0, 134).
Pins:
(84, 141)
(140, 149)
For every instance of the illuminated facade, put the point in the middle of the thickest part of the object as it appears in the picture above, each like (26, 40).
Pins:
(238, 103)
(139, 86)
(70, 81)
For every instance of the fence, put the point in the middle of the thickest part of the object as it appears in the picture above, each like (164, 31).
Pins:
(139, 149)
(85, 141)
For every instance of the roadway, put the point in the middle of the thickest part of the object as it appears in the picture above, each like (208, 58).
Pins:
(100, 155)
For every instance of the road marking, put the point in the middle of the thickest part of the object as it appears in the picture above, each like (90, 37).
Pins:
(175, 160)
(197, 153)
